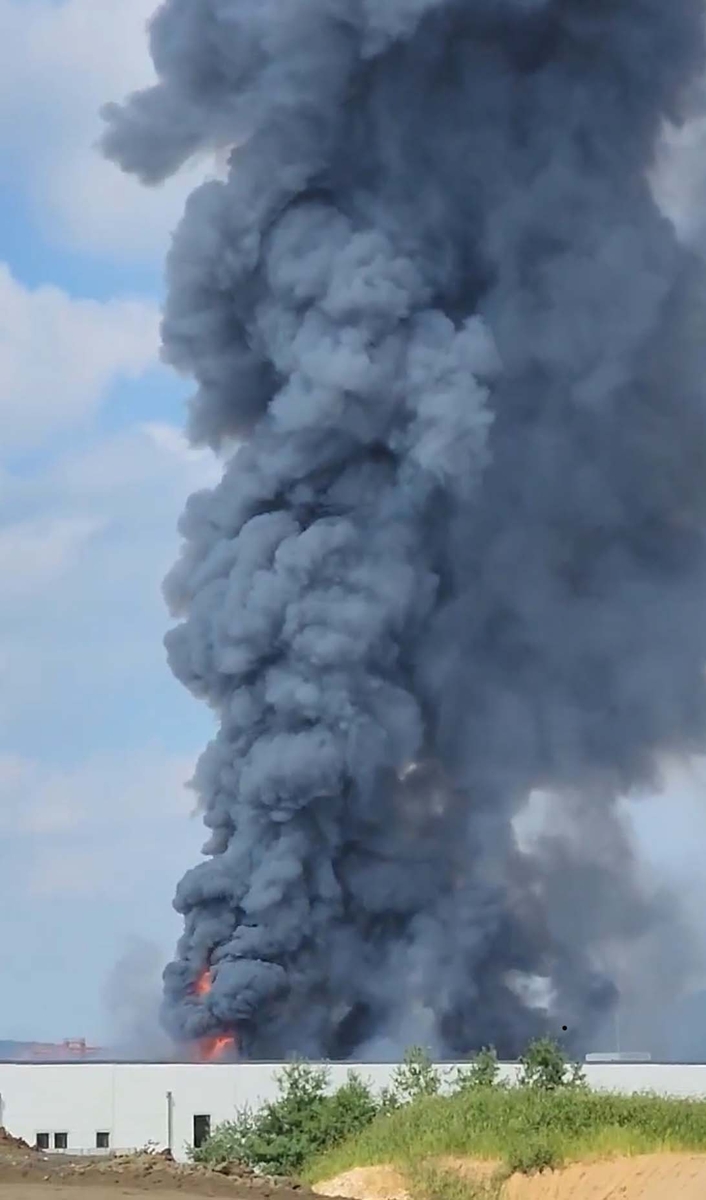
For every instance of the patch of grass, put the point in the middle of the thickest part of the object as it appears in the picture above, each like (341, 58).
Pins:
(538, 1153)
(522, 1126)
(431, 1181)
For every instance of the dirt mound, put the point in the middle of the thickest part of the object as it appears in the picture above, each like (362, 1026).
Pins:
(644, 1177)
(12, 1145)
(130, 1173)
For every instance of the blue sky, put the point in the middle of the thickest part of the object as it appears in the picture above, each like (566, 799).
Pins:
(97, 740)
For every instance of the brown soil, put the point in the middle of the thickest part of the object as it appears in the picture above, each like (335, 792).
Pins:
(644, 1177)
(28, 1174)
(10, 1144)
(54, 1191)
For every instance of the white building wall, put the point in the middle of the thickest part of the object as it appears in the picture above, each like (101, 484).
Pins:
(129, 1100)
(37, 1098)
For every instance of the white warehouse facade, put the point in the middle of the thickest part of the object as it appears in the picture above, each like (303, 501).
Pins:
(96, 1107)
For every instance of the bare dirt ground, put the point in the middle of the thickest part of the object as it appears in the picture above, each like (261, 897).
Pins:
(644, 1177)
(27, 1174)
(22, 1190)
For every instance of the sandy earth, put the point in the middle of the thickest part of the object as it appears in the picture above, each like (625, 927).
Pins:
(366, 1183)
(646, 1177)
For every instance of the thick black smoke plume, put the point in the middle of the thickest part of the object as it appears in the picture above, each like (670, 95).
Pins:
(458, 555)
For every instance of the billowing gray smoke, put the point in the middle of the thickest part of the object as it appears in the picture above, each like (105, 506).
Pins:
(455, 356)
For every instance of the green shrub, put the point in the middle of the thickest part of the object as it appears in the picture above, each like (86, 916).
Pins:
(416, 1076)
(389, 1101)
(536, 1154)
(349, 1109)
(228, 1142)
(303, 1121)
(544, 1067)
(482, 1072)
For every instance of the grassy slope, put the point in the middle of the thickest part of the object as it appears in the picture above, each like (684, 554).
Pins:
(519, 1127)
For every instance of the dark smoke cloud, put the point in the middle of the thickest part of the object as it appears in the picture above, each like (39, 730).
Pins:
(458, 555)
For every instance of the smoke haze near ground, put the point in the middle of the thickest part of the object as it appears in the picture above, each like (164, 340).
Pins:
(457, 558)
(131, 995)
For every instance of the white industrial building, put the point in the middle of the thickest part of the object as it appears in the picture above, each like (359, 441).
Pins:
(94, 1107)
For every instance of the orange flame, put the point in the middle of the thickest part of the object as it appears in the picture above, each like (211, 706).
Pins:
(203, 984)
(213, 1047)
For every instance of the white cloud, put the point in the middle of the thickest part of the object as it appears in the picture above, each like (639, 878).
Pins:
(100, 794)
(88, 523)
(96, 738)
(84, 546)
(59, 64)
(152, 455)
(34, 552)
(89, 854)
(59, 355)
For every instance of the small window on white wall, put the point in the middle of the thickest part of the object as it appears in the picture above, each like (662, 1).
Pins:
(102, 1140)
(42, 1141)
(202, 1129)
(61, 1141)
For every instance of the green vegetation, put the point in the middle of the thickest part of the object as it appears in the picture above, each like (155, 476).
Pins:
(549, 1117)
(414, 1078)
(430, 1181)
(484, 1071)
(544, 1067)
(302, 1122)
(525, 1128)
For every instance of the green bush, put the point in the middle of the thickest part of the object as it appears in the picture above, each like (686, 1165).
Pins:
(536, 1154)
(228, 1142)
(306, 1120)
(389, 1101)
(415, 1077)
(303, 1121)
(349, 1109)
(483, 1071)
(544, 1067)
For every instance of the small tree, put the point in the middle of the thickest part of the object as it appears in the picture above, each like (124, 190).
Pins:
(482, 1072)
(302, 1121)
(389, 1100)
(349, 1109)
(229, 1142)
(416, 1076)
(301, 1085)
(545, 1068)
(285, 1132)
